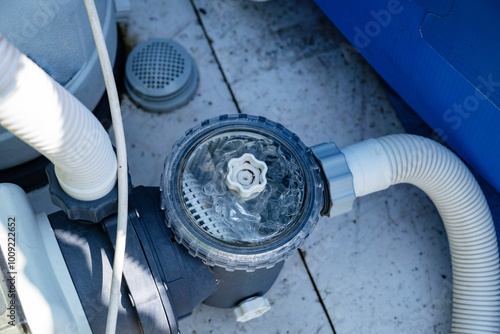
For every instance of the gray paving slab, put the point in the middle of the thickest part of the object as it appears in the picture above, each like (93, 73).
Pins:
(383, 268)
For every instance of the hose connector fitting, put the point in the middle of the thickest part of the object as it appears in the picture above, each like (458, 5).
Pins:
(340, 187)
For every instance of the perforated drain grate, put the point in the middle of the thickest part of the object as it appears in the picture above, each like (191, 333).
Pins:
(160, 75)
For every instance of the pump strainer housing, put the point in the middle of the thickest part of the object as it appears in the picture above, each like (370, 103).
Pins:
(160, 75)
(219, 225)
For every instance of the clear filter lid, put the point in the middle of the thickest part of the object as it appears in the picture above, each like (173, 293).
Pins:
(241, 192)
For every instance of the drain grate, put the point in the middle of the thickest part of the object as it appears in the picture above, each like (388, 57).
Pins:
(160, 75)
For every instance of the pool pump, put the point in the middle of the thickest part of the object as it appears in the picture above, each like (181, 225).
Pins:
(237, 196)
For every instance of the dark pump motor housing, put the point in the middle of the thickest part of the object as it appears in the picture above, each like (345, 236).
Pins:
(163, 282)
(238, 195)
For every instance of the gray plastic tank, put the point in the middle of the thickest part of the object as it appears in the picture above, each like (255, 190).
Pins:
(56, 35)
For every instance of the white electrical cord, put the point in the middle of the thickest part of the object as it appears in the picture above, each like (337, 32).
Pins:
(121, 153)
(377, 164)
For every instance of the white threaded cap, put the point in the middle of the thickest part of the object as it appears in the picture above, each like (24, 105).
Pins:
(251, 308)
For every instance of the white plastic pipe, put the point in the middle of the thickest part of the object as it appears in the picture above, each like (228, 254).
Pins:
(47, 117)
(378, 163)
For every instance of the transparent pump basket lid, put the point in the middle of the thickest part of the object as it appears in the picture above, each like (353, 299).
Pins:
(225, 225)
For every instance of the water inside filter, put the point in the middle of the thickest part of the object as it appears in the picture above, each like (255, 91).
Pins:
(219, 211)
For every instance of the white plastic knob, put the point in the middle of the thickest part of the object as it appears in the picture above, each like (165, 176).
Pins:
(246, 176)
(251, 308)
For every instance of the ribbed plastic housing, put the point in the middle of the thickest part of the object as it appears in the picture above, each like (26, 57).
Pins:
(216, 224)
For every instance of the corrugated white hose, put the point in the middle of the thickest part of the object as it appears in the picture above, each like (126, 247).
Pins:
(121, 152)
(378, 163)
(47, 117)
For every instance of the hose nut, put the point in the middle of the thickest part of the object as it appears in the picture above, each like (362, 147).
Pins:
(340, 193)
(88, 211)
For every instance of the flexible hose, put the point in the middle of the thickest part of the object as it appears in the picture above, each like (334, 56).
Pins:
(377, 164)
(121, 152)
(47, 117)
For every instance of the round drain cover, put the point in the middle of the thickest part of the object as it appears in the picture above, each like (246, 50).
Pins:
(160, 75)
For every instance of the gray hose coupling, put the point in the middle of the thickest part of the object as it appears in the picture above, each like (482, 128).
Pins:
(339, 183)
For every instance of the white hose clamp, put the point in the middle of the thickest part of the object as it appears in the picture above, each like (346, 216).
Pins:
(339, 179)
